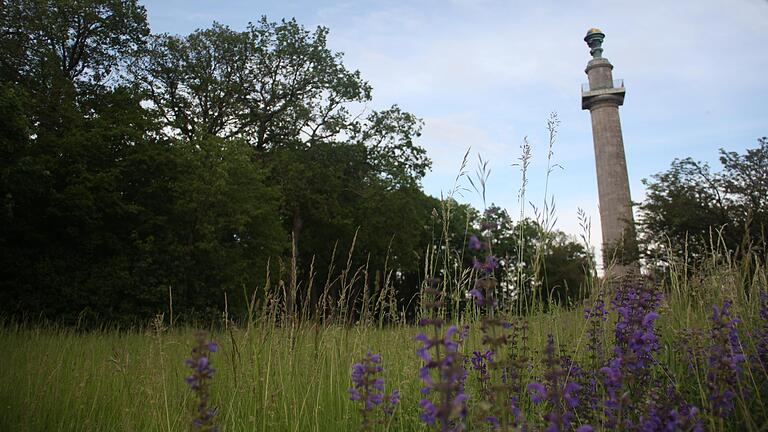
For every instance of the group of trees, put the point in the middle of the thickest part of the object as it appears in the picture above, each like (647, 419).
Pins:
(691, 212)
(134, 166)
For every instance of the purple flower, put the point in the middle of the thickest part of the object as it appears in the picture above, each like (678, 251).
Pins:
(760, 336)
(199, 382)
(569, 394)
(476, 264)
(663, 415)
(483, 292)
(428, 412)
(474, 243)
(490, 263)
(636, 341)
(477, 295)
(724, 361)
(391, 402)
(498, 374)
(443, 373)
(649, 318)
(539, 392)
(368, 388)
(557, 389)
(354, 394)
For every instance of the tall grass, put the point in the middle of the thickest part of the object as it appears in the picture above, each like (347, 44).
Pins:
(272, 376)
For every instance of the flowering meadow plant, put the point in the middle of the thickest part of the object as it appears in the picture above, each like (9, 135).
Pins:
(368, 389)
(199, 382)
(725, 361)
(444, 405)
(558, 389)
(499, 365)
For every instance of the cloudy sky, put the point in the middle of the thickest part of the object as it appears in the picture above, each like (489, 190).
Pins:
(486, 74)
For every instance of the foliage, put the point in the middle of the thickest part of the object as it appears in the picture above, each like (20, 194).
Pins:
(689, 207)
(533, 261)
(142, 173)
(148, 173)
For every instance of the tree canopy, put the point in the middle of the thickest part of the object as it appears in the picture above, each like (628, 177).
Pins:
(140, 170)
(689, 209)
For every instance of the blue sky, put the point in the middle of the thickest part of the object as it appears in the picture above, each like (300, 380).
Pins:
(487, 73)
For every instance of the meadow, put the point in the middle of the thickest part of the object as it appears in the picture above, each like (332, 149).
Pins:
(287, 374)
(171, 205)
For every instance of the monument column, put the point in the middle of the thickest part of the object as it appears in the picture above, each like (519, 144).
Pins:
(602, 96)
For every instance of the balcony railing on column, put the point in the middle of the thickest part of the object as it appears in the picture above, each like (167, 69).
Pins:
(617, 83)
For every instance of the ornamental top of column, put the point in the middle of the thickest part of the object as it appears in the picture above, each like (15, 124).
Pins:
(594, 39)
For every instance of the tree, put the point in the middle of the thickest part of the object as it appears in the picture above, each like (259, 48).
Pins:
(222, 228)
(103, 214)
(65, 219)
(271, 85)
(532, 262)
(688, 208)
(134, 166)
(279, 88)
(82, 40)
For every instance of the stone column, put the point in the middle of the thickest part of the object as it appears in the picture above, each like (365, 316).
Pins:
(602, 97)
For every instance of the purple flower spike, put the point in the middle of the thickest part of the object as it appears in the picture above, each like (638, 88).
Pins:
(442, 374)
(199, 382)
(759, 359)
(491, 263)
(557, 390)
(724, 361)
(477, 295)
(368, 388)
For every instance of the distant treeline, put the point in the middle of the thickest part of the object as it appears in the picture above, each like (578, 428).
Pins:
(135, 167)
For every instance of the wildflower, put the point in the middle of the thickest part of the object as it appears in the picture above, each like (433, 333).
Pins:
(724, 361)
(491, 263)
(199, 382)
(596, 317)
(636, 341)
(443, 373)
(558, 390)
(479, 362)
(497, 373)
(368, 387)
(474, 243)
(760, 358)
(483, 292)
(668, 412)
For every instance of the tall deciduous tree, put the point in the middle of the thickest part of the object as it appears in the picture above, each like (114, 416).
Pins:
(271, 85)
(83, 40)
(103, 214)
(278, 87)
(689, 208)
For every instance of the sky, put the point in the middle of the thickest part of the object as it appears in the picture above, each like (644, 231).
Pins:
(487, 74)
